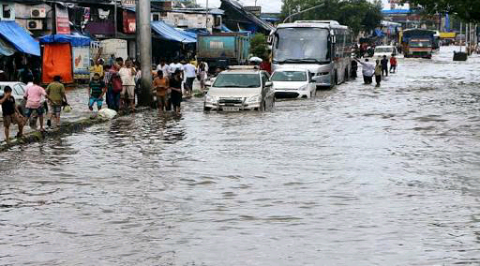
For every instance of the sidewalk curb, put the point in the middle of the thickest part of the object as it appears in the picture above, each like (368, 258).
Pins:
(64, 129)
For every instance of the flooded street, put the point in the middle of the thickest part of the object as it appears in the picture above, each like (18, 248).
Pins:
(358, 176)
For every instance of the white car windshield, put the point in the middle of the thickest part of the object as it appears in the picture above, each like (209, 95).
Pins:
(290, 76)
(384, 50)
(237, 81)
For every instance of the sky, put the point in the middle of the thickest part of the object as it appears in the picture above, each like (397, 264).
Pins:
(267, 5)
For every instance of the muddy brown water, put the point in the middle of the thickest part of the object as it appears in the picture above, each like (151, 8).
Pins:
(357, 176)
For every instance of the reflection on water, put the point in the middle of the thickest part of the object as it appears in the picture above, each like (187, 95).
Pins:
(358, 176)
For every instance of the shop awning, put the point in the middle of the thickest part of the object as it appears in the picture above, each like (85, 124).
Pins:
(169, 33)
(76, 40)
(19, 38)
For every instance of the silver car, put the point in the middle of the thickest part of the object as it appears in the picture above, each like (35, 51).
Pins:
(18, 91)
(240, 89)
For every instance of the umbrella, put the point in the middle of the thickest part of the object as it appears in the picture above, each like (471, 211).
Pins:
(256, 59)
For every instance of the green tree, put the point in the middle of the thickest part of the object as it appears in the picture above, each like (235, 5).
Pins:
(259, 46)
(467, 10)
(357, 14)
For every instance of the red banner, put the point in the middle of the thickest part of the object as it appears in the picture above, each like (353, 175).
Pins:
(129, 23)
(62, 20)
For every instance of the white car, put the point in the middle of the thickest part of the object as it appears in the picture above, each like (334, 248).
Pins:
(387, 51)
(293, 84)
(18, 91)
(240, 89)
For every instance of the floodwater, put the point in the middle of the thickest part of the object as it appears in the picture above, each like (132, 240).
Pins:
(358, 176)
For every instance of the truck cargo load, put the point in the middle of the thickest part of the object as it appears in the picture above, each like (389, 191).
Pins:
(221, 50)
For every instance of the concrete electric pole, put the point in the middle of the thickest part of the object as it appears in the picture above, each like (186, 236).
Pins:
(144, 40)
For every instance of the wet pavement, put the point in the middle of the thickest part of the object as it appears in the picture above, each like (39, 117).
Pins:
(358, 176)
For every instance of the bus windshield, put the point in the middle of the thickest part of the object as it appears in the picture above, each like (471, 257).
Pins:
(304, 45)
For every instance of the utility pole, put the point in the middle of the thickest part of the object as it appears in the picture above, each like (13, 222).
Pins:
(144, 37)
(115, 10)
(206, 15)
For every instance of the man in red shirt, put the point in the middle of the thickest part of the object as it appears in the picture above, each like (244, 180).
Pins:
(265, 65)
(393, 64)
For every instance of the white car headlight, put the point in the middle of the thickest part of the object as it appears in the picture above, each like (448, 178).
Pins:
(303, 88)
(210, 99)
(254, 99)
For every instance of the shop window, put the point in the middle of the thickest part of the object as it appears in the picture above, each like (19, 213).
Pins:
(6, 12)
(218, 21)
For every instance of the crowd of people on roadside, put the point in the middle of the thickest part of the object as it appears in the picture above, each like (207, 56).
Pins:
(39, 101)
(379, 70)
(114, 83)
(169, 78)
(119, 80)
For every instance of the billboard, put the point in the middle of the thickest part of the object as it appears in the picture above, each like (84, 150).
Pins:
(81, 60)
(62, 23)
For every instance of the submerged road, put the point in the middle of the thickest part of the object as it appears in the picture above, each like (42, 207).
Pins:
(358, 176)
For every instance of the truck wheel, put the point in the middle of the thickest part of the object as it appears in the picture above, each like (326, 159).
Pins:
(346, 75)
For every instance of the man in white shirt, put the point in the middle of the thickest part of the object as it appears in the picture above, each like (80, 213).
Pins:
(190, 74)
(163, 67)
(174, 66)
(368, 71)
(206, 66)
(127, 74)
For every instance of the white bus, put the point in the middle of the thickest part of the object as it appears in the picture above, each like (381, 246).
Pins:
(323, 47)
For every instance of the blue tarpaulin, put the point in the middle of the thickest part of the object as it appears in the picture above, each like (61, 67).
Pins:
(197, 31)
(190, 33)
(169, 33)
(379, 33)
(19, 38)
(75, 40)
(225, 29)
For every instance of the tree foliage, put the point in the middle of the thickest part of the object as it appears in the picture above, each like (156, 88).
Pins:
(359, 15)
(259, 46)
(468, 10)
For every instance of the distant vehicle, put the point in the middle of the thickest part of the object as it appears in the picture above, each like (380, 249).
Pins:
(419, 43)
(240, 89)
(387, 51)
(419, 48)
(322, 47)
(293, 84)
(18, 91)
(221, 50)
